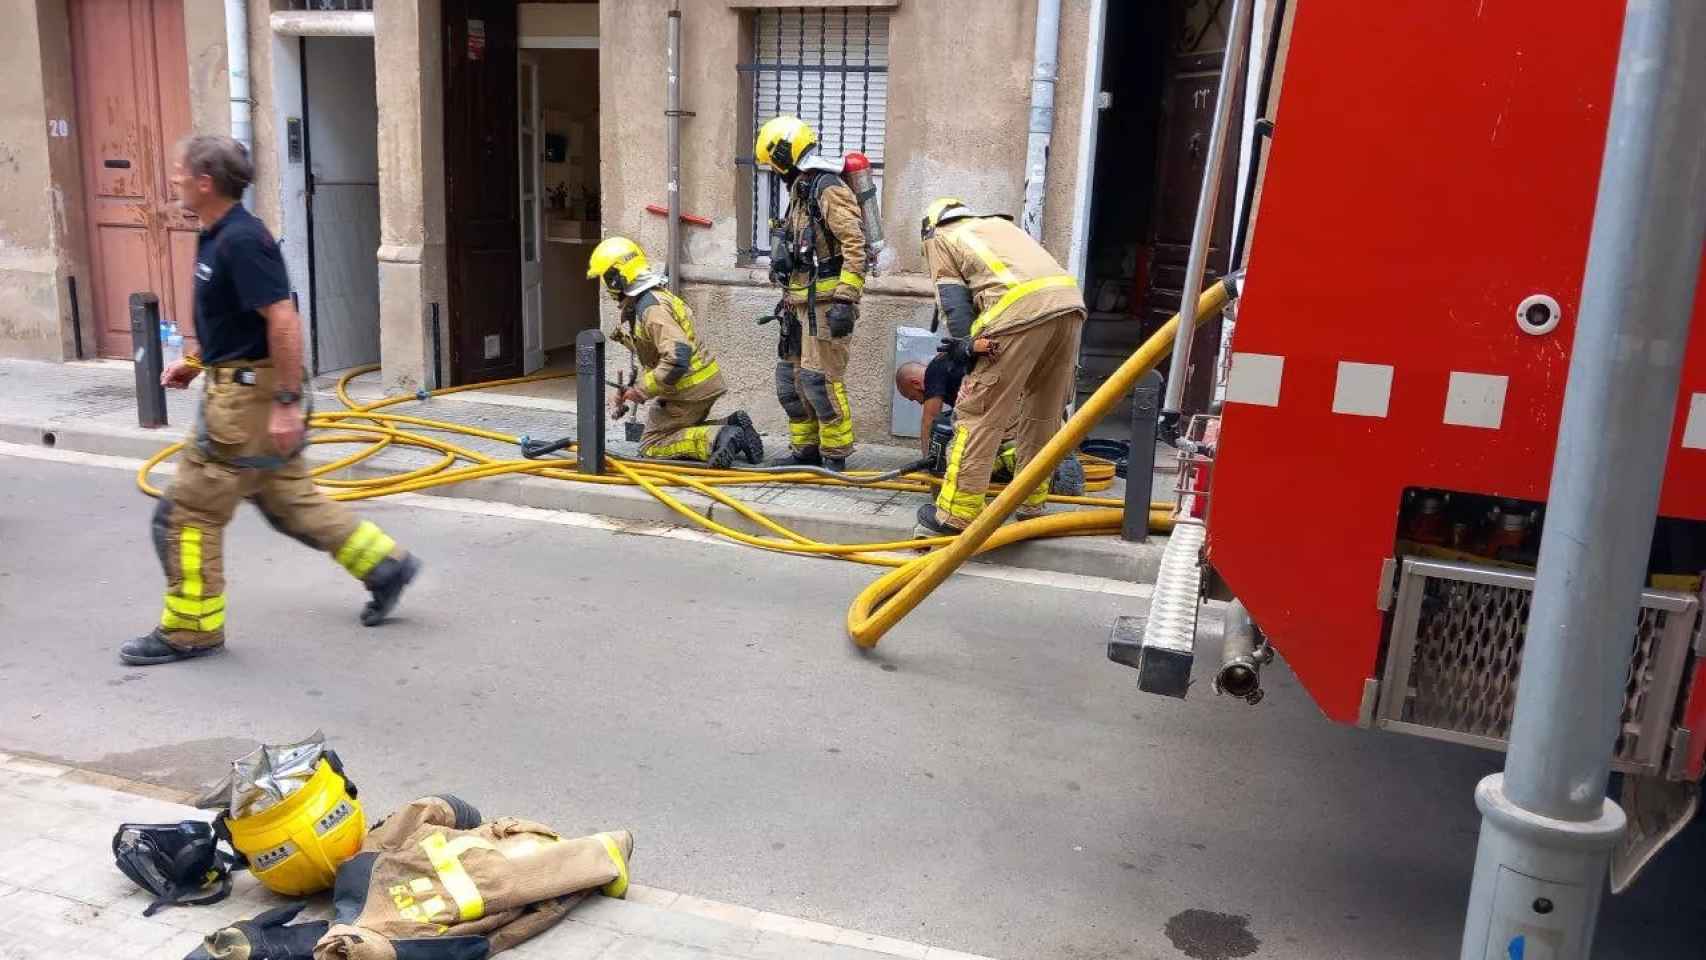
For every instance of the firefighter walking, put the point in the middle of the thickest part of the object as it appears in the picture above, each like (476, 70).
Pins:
(682, 380)
(998, 287)
(819, 259)
(249, 433)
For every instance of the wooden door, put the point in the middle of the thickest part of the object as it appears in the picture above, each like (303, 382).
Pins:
(1191, 91)
(132, 80)
(482, 193)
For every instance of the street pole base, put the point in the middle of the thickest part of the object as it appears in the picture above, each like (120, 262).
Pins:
(1538, 881)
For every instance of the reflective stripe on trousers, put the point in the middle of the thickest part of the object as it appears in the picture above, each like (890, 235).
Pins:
(364, 549)
(690, 443)
(950, 499)
(187, 608)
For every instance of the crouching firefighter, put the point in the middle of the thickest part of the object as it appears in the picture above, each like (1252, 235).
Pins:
(818, 256)
(1000, 290)
(681, 378)
(249, 433)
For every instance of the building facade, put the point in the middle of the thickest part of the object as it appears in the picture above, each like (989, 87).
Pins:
(438, 170)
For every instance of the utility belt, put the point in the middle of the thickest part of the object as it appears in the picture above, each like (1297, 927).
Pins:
(248, 373)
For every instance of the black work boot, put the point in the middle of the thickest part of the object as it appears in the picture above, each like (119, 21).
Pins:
(751, 444)
(803, 457)
(386, 584)
(838, 464)
(930, 526)
(727, 445)
(152, 649)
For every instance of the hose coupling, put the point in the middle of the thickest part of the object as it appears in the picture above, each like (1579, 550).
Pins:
(1244, 652)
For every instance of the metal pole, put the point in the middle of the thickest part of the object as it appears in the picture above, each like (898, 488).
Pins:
(145, 340)
(589, 401)
(1140, 459)
(1045, 68)
(1236, 42)
(1547, 828)
(672, 129)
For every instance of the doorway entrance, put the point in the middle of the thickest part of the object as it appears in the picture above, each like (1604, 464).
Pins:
(341, 114)
(559, 194)
(1150, 159)
(131, 74)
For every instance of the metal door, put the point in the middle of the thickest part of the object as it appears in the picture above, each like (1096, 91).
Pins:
(132, 80)
(343, 197)
(532, 253)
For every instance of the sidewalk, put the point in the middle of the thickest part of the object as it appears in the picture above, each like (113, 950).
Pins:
(91, 407)
(62, 897)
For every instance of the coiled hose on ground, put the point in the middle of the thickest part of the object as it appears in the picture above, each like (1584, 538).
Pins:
(894, 595)
(366, 424)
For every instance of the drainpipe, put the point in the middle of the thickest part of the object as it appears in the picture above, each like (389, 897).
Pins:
(1045, 67)
(1547, 829)
(1233, 61)
(672, 128)
(1089, 124)
(237, 66)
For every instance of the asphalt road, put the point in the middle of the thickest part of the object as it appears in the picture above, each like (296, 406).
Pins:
(986, 781)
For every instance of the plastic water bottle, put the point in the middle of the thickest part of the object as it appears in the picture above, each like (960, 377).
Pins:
(171, 343)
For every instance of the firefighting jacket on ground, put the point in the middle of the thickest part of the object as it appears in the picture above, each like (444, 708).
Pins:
(838, 233)
(658, 328)
(991, 278)
(433, 883)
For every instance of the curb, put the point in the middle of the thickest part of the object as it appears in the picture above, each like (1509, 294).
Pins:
(1086, 556)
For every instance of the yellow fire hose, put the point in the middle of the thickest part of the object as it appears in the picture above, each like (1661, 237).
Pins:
(894, 595)
(364, 424)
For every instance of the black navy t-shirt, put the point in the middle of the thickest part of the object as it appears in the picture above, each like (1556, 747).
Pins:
(238, 270)
(942, 379)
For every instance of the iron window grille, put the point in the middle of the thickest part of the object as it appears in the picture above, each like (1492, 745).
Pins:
(331, 4)
(829, 67)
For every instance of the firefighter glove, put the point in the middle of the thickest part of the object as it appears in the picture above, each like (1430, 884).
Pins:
(841, 317)
(958, 350)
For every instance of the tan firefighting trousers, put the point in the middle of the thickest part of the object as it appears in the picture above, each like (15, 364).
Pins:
(680, 429)
(1018, 392)
(418, 877)
(811, 390)
(230, 458)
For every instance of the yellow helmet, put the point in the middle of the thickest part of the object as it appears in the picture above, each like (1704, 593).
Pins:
(782, 141)
(618, 262)
(945, 210)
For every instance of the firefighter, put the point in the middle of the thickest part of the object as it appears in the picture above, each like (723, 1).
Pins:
(995, 284)
(249, 434)
(819, 259)
(681, 379)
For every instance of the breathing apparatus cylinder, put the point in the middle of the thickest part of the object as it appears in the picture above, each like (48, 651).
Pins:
(856, 170)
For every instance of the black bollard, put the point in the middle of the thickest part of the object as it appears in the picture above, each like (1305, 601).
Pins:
(589, 401)
(1140, 461)
(145, 340)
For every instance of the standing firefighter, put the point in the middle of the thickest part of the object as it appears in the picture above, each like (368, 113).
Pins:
(249, 431)
(999, 287)
(818, 256)
(681, 376)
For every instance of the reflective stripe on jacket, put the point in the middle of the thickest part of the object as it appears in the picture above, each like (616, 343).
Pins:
(658, 327)
(1013, 281)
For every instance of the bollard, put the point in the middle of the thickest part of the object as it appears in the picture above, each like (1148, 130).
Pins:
(589, 401)
(145, 338)
(1140, 462)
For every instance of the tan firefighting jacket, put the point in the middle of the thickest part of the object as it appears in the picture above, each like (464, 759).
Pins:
(840, 250)
(430, 874)
(1012, 280)
(658, 328)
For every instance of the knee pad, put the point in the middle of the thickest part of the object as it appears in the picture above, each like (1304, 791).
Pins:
(788, 395)
(816, 386)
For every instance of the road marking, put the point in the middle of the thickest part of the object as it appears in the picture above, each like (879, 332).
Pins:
(589, 521)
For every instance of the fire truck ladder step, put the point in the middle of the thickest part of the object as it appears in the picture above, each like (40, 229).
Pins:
(1162, 647)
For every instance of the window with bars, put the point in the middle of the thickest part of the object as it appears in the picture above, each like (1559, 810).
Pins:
(828, 66)
(331, 4)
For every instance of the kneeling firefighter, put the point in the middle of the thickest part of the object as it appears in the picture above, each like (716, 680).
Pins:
(998, 288)
(818, 256)
(681, 375)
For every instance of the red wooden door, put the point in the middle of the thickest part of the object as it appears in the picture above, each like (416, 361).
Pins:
(133, 105)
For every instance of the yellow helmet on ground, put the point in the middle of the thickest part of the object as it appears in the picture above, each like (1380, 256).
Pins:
(295, 846)
(782, 141)
(619, 263)
(944, 210)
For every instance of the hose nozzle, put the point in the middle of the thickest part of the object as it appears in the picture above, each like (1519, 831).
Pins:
(1243, 654)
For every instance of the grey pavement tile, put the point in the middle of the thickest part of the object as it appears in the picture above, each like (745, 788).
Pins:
(772, 945)
(641, 920)
(567, 940)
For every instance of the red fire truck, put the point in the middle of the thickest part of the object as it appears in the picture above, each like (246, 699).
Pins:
(1374, 487)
